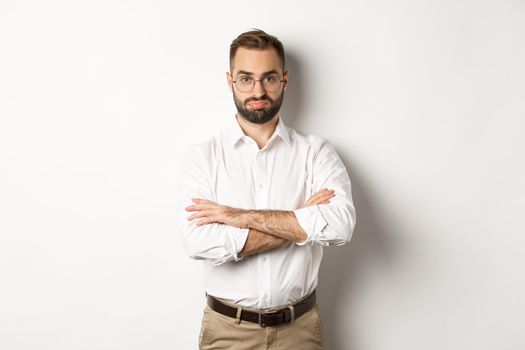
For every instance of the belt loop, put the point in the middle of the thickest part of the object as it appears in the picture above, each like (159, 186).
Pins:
(292, 313)
(238, 317)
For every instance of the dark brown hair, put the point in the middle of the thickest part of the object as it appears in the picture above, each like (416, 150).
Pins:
(256, 39)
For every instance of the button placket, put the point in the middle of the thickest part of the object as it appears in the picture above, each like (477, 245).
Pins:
(261, 198)
(260, 180)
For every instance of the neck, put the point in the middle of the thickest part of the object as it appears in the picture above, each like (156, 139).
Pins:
(260, 133)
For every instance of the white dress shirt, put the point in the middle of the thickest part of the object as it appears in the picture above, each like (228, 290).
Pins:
(231, 170)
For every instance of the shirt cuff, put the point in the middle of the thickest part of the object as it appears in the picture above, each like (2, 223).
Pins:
(311, 221)
(237, 239)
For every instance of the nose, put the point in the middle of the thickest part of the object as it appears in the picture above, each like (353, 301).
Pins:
(258, 89)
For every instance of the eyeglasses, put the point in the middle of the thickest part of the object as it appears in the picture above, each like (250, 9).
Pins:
(246, 83)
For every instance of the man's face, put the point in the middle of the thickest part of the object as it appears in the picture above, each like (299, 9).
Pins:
(258, 105)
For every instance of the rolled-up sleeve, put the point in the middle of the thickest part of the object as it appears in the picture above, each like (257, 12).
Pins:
(333, 223)
(216, 242)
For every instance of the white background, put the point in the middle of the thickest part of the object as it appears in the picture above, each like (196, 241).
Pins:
(423, 100)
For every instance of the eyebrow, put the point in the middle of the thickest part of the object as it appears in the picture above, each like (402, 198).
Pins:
(273, 71)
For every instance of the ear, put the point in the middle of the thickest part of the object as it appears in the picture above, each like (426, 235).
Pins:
(230, 81)
(285, 79)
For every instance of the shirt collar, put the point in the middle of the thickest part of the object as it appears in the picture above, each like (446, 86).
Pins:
(236, 134)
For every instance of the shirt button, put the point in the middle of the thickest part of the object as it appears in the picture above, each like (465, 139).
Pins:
(264, 259)
(260, 186)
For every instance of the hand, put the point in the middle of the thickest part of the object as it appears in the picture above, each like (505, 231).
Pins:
(211, 212)
(321, 197)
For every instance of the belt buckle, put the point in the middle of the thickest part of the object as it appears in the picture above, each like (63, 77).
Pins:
(270, 320)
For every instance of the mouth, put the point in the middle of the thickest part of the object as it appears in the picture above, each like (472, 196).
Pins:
(257, 104)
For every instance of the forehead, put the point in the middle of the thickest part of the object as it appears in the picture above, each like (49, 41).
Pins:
(256, 61)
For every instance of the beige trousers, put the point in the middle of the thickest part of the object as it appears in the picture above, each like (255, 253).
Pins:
(220, 332)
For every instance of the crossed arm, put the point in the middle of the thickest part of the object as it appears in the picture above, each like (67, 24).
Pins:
(269, 229)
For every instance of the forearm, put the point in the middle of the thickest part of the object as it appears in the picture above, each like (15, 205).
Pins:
(258, 242)
(278, 223)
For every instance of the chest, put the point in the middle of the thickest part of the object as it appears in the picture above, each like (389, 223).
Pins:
(279, 178)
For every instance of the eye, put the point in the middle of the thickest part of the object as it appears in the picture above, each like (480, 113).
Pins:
(271, 79)
(245, 79)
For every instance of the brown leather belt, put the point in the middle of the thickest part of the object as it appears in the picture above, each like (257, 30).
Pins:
(271, 318)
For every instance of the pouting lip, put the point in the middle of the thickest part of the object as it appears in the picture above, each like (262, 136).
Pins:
(257, 104)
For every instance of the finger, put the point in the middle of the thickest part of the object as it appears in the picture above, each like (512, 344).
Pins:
(197, 207)
(314, 200)
(191, 217)
(200, 214)
(327, 196)
(315, 196)
(202, 206)
(323, 198)
(193, 207)
(322, 192)
(205, 222)
(319, 195)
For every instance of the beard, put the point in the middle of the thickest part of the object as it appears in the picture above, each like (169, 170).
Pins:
(258, 116)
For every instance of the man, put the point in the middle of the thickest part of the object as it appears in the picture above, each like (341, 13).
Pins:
(258, 203)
